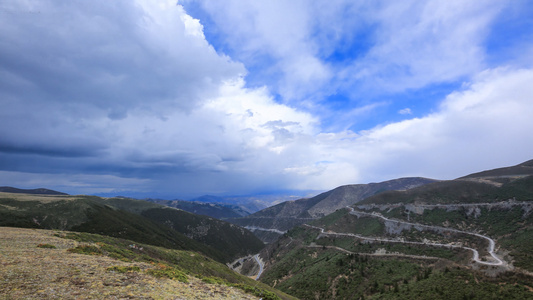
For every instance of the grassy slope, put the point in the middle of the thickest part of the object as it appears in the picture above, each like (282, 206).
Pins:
(235, 241)
(215, 233)
(512, 228)
(93, 266)
(117, 223)
(325, 273)
(99, 215)
(458, 191)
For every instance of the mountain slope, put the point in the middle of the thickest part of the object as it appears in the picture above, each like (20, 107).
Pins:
(234, 240)
(269, 223)
(46, 264)
(137, 220)
(40, 191)
(525, 168)
(214, 210)
(466, 238)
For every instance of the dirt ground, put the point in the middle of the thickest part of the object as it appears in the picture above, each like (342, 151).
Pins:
(30, 272)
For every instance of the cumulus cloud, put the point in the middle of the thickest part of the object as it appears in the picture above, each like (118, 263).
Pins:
(405, 111)
(78, 53)
(69, 69)
(141, 101)
(313, 49)
(483, 126)
(419, 43)
(131, 97)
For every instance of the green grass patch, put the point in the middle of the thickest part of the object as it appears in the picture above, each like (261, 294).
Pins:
(171, 263)
(46, 246)
(123, 269)
(169, 272)
(330, 274)
(86, 249)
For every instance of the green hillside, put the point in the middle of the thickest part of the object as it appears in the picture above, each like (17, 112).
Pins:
(469, 238)
(214, 210)
(49, 264)
(136, 220)
(458, 191)
(286, 215)
(308, 271)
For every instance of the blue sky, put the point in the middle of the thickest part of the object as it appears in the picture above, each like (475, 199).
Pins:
(179, 99)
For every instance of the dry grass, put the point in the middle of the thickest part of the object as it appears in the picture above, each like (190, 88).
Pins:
(27, 271)
(36, 197)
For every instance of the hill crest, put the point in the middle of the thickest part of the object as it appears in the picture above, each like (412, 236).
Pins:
(38, 191)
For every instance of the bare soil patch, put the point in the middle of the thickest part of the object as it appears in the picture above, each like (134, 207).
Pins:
(28, 271)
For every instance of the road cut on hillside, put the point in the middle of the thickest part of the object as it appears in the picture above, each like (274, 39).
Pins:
(475, 254)
(492, 244)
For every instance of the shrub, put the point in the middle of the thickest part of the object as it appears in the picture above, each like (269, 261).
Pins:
(123, 269)
(169, 272)
(86, 249)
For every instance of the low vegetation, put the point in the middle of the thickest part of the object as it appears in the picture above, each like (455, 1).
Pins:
(309, 264)
(136, 220)
(169, 272)
(168, 263)
(46, 246)
(93, 266)
(328, 273)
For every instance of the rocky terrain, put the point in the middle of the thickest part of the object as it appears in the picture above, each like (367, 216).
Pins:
(469, 238)
(268, 224)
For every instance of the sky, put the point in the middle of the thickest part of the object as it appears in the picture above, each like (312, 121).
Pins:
(158, 98)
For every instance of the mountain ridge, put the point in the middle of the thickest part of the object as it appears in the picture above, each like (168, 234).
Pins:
(449, 239)
(137, 220)
(37, 191)
(215, 210)
(288, 214)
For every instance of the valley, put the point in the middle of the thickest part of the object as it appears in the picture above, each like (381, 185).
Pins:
(431, 241)
(270, 223)
(410, 238)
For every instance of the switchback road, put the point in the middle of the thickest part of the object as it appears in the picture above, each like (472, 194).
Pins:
(475, 254)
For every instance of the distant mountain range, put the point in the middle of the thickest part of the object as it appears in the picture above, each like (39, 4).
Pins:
(40, 191)
(252, 204)
(214, 210)
(269, 223)
(225, 207)
(490, 185)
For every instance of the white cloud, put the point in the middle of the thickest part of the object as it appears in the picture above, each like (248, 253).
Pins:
(484, 126)
(386, 46)
(110, 58)
(405, 111)
(420, 43)
(125, 95)
(277, 37)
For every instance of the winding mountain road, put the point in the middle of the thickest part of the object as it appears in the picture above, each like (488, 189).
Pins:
(475, 254)
(254, 228)
(261, 266)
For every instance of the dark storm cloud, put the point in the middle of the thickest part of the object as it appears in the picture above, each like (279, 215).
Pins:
(70, 69)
